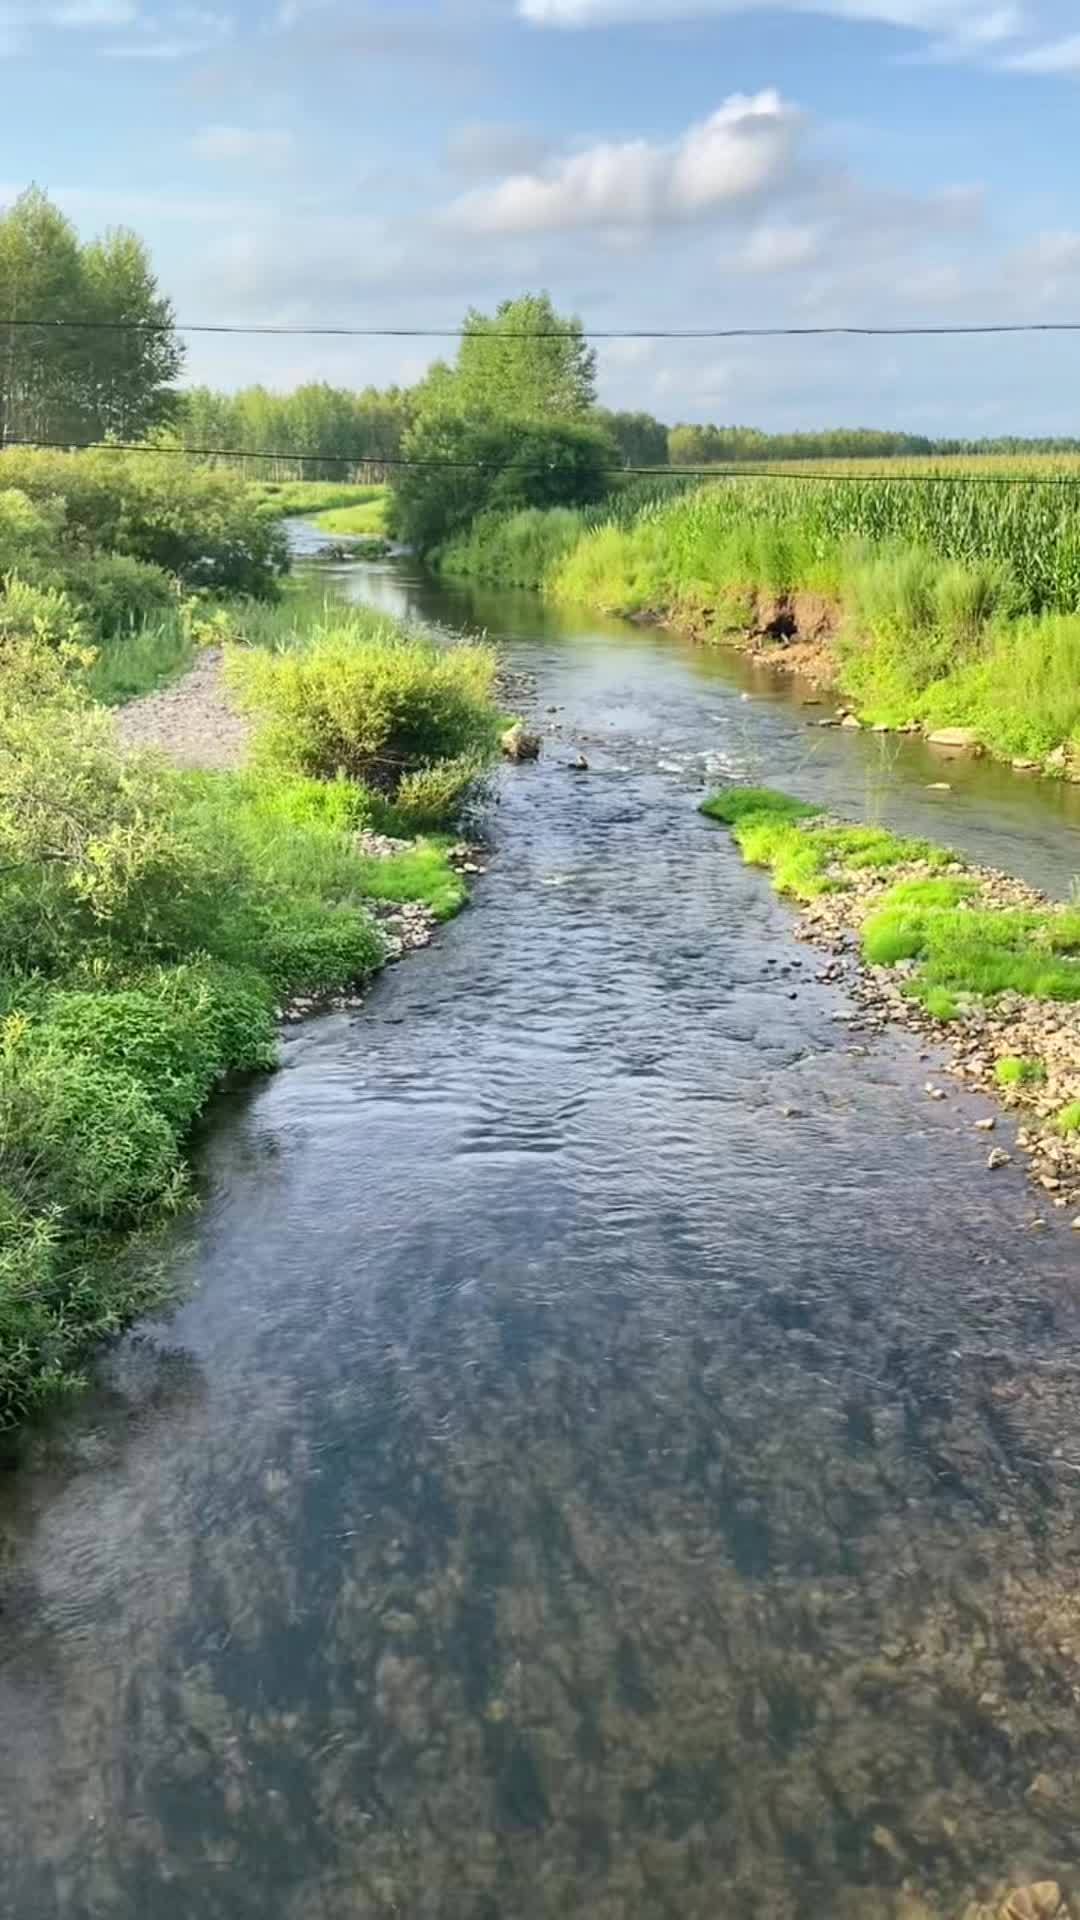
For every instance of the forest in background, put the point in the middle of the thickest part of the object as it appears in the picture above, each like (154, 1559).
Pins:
(89, 349)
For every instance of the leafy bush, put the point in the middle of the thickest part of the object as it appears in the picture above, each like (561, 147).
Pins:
(43, 615)
(80, 1136)
(435, 796)
(374, 708)
(201, 525)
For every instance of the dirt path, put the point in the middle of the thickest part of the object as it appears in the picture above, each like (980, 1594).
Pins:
(190, 721)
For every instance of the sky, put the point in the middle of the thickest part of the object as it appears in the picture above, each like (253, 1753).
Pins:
(652, 163)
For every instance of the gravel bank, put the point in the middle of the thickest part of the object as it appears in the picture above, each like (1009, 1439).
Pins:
(192, 721)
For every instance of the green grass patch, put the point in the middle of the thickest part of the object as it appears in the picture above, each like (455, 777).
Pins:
(365, 519)
(135, 663)
(733, 804)
(287, 499)
(807, 860)
(1015, 1071)
(980, 952)
(1068, 1120)
(424, 873)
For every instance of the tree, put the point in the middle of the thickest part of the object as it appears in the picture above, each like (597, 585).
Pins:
(467, 467)
(526, 362)
(63, 381)
(641, 440)
(40, 279)
(131, 364)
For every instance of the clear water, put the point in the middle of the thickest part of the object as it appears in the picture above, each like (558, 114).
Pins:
(570, 1487)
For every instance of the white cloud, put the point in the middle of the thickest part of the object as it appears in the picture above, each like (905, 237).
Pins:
(175, 35)
(1057, 56)
(779, 247)
(741, 149)
(265, 146)
(482, 148)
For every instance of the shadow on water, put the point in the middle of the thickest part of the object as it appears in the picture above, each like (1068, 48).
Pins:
(571, 1487)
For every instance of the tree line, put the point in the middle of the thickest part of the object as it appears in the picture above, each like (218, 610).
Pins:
(114, 374)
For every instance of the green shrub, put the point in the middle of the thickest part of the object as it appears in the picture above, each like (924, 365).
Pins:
(435, 796)
(1068, 1120)
(199, 524)
(42, 615)
(115, 593)
(80, 1136)
(311, 947)
(373, 708)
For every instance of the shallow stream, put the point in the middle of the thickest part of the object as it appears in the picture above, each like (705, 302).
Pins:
(570, 1486)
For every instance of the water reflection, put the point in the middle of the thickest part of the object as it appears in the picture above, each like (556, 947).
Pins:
(573, 1488)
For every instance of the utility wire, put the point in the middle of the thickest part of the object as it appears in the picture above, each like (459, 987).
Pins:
(554, 333)
(743, 471)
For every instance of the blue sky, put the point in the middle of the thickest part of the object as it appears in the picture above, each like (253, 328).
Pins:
(667, 163)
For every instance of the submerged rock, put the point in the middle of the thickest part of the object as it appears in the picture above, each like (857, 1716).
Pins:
(1043, 1900)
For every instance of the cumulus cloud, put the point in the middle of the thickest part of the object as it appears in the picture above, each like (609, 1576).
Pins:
(743, 148)
(266, 146)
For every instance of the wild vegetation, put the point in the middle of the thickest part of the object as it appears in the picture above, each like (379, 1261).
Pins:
(152, 922)
(946, 603)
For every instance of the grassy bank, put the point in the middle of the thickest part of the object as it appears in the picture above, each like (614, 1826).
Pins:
(364, 519)
(942, 602)
(127, 563)
(982, 959)
(153, 923)
(283, 499)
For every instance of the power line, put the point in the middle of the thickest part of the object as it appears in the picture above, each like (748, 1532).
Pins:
(743, 471)
(552, 333)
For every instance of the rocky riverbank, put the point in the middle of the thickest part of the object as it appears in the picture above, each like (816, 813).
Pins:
(1020, 1050)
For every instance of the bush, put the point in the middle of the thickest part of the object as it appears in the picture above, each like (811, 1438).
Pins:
(80, 1136)
(115, 593)
(42, 615)
(374, 709)
(435, 796)
(201, 525)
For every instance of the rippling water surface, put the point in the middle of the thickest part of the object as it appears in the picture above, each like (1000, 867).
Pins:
(571, 1487)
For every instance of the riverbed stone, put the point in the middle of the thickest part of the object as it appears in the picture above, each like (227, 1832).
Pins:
(1042, 1900)
(517, 744)
(960, 739)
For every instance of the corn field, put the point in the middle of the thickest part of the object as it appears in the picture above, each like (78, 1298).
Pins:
(1026, 522)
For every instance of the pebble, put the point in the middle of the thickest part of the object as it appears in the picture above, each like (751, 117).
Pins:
(987, 1125)
(998, 1158)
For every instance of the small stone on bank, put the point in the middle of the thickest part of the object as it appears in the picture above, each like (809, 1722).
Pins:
(998, 1158)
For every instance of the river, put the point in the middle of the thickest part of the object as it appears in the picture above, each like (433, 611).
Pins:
(570, 1485)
